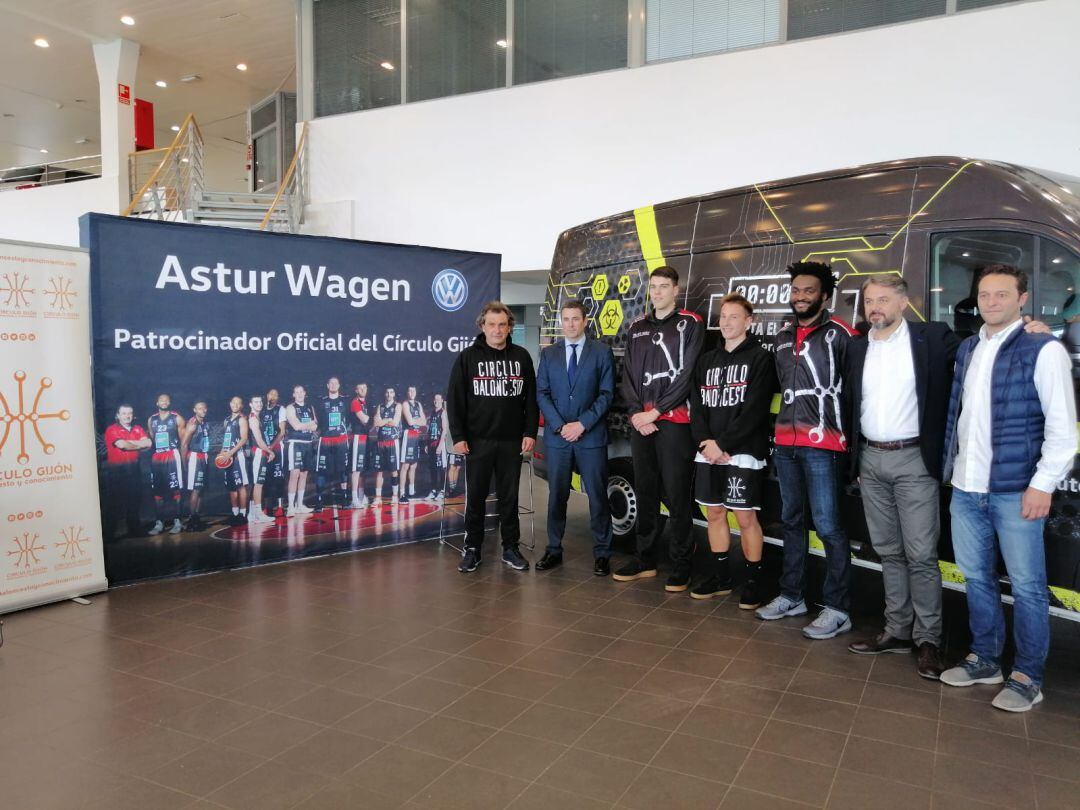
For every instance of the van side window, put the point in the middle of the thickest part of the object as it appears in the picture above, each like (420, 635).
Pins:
(955, 259)
(1059, 304)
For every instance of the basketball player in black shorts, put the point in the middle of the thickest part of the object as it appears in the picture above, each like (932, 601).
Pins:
(300, 434)
(360, 421)
(333, 447)
(412, 415)
(166, 470)
(262, 456)
(274, 486)
(437, 448)
(233, 442)
(388, 428)
(195, 448)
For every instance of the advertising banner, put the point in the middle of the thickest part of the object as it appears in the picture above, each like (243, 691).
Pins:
(50, 546)
(264, 396)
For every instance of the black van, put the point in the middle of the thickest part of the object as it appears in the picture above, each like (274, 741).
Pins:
(934, 220)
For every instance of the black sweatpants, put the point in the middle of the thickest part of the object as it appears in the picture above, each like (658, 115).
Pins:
(664, 462)
(500, 458)
(122, 499)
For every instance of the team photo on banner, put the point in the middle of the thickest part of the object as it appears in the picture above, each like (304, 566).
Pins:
(261, 397)
(51, 546)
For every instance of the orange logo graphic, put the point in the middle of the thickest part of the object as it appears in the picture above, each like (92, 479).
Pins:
(72, 544)
(60, 292)
(26, 548)
(16, 287)
(24, 418)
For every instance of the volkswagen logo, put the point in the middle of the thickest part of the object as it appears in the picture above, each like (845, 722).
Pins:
(450, 290)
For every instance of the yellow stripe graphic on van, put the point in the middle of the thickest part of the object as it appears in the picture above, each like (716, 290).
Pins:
(649, 237)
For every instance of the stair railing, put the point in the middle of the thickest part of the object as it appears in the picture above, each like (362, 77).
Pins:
(286, 212)
(169, 181)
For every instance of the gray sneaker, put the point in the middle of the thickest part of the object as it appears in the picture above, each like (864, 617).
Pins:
(781, 607)
(828, 624)
(972, 670)
(1017, 696)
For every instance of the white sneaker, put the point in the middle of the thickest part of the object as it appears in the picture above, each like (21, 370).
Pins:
(364, 502)
(176, 527)
(291, 512)
(258, 516)
(159, 527)
(303, 509)
(355, 503)
(376, 503)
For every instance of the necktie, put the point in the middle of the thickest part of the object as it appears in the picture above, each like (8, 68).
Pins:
(571, 370)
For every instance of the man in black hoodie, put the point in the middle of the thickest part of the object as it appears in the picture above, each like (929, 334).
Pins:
(729, 419)
(493, 417)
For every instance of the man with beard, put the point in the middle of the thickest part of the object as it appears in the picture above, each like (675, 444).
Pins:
(811, 443)
(233, 442)
(166, 471)
(195, 448)
(412, 414)
(387, 430)
(124, 440)
(333, 447)
(358, 450)
(273, 430)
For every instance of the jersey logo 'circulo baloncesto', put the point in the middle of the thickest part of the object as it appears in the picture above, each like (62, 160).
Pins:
(450, 290)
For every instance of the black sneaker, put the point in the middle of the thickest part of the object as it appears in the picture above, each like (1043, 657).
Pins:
(512, 557)
(750, 596)
(403, 499)
(713, 586)
(680, 578)
(470, 561)
(635, 569)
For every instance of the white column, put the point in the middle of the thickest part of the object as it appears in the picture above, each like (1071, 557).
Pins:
(116, 63)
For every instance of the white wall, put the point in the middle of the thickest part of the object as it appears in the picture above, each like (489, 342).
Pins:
(50, 214)
(507, 170)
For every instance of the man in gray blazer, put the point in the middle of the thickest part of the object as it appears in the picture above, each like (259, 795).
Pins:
(575, 386)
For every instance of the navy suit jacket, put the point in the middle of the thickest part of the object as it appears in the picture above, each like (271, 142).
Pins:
(589, 399)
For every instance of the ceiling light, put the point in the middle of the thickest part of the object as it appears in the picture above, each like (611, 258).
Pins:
(41, 42)
(502, 43)
(937, 289)
(241, 66)
(160, 83)
(387, 66)
(127, 19)
(1056, 260)
(192, 77)
(44, 151)
(175, 127)
(966, 254)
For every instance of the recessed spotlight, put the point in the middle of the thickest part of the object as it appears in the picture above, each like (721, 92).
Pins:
(241, 66)
(44, 151)
(127, 19)
(1056, 260)
(41, 42)
(502, 43)
(175, 127)
(160, 83)
(966, 254)
(387, 66)
(82, 141)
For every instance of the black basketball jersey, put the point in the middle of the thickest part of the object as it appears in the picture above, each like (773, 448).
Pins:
(269, 420)
(164, 432)
(414, 411)
(358, 407)
(231, 436)
(304, 413)
(200, 439)
(388, 432)
(334, 411)
(435, 427)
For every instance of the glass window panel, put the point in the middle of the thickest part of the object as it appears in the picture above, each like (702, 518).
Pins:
(266, 162)
(965, 5)
(357, 51)
(675, 28)
(453, 46)
(555, 38)
(813, 18)
(1058, 290)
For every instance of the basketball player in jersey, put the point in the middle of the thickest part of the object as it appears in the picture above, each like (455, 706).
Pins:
(437, 448)
(360, 424)
(387, 427)
(412, 414)
(234, 438)
(273, 431)
(195, 448)
(166, 469)
(300, 434)
(261, 457)
(333, 446)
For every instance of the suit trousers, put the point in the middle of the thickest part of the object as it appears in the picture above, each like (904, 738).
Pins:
(501, 459)
(664, 461)
(591, 463)
(902, 506)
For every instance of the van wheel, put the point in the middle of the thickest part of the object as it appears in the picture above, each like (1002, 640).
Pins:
(622, 499)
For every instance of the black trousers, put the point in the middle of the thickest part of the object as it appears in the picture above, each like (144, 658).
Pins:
(500, 459)
(664, 463)
(122, 497)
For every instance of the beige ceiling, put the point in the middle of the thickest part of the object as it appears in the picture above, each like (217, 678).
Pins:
(49, 97)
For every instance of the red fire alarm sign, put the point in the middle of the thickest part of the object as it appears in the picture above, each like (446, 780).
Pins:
(123, 93)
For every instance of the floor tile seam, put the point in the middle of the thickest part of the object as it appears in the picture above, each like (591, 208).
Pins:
(245, 772)
(847, 741)
(293, 743)
(995, 802)
(760, 792)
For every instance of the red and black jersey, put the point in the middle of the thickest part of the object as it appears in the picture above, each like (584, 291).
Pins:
(359, 406)
(810, 362)
(335, 411)
(165, 432)
(658, 369)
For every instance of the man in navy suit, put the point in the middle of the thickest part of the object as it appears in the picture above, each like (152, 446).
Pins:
(575, 386)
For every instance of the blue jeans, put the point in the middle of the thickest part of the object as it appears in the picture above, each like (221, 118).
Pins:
(976, 517)
(809, 474)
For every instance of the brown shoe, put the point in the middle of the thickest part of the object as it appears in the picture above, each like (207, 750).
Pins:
(929, 665)
(884, 643)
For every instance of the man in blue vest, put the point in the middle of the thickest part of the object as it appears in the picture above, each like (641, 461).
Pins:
(575, 386)
(1010, 438)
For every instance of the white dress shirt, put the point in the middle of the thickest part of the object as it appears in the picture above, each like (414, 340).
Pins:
(1053, 381)
(890, 406)
(580, 343)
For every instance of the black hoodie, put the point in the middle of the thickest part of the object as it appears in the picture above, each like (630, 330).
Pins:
(492, 393)
(732, 395)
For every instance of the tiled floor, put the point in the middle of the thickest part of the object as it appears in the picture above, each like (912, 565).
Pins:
(385, 679)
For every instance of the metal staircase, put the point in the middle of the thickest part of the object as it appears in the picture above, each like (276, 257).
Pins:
(238, 210)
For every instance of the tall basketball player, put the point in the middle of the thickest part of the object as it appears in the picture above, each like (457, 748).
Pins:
(234, 438)
(412, 415)
(195, 448)
(388, 427)
(166, 471)
(333, 446)
(360, 425)
(300, 436)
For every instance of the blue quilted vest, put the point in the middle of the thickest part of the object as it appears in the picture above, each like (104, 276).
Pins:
(1016, 417)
